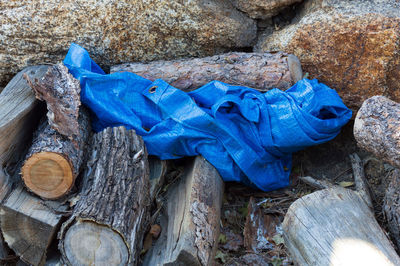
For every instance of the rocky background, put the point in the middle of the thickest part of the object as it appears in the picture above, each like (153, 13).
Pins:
(351, 45)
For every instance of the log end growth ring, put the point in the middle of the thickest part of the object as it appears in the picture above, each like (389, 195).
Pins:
(48, 174)
(89, 243)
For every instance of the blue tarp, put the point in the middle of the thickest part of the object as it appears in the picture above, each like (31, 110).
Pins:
(247, 135)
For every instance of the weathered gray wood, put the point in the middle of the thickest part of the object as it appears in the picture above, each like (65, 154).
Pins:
(260, 71)
(28, 225)
(391, 206)
(56, 155)
(359, 179)
(335, 227)
(19, 114)
(109, 220)
(158, 169)
(190, 218)
(377, 127)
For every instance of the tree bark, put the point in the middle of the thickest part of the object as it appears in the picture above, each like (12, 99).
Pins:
(28, 225)
(391, 206)
(377, 127)
(261, 71)
(335, 227)
(54, 160)
(190, 219)
(110, 218)
(61, 91)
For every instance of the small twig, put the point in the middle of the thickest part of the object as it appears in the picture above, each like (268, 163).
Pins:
(359, 179)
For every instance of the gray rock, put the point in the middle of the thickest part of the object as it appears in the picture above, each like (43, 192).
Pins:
(262, 9)
(33, 32)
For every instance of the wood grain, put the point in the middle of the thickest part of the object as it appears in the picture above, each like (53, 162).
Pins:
(335, 227)
(190, 218)
(28, 225)
(19, 114)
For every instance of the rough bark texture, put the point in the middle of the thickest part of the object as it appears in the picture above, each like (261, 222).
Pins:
(391, 206)
(377, 127)
(352, 46)
(19, 113)
(261, 71)
(118, 31)
(47, 145)
(335, 227)
(114, 202)
(28, 225)
(262, 9)
(61, 91)
(190, 220)
(53, 162)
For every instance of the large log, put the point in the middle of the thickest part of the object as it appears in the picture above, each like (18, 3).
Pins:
(260, 71)
(56, 155)
(110, 218)
(377, 128)
(29, 225)
(190, 218)
(336, 226)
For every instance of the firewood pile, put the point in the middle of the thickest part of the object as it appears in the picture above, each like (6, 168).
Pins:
(70, 196)
(96, 195)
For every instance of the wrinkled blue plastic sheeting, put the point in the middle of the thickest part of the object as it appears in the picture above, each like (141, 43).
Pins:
(247, 135)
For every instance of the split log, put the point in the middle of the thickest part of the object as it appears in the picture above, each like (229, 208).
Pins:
(391, 206)
(19, 114)
(28, 225)
(335, 226)
(56, 155)
(190, 219)
(377, 128)
(110, 218)
(261, 71)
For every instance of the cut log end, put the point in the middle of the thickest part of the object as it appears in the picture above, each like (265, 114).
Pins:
(89, 243)
(48, 174)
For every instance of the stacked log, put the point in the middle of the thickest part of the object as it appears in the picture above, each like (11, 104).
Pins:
(190, 219)
(109, 220)
(56, 155)
(336, 226)
(111, 213)
(377, 130)
(19, 114)
(29, 225)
